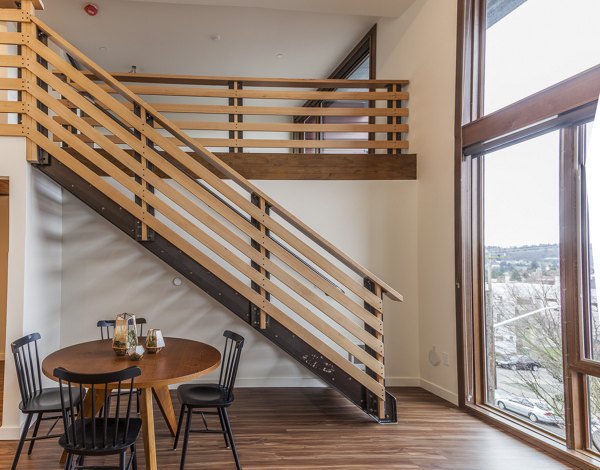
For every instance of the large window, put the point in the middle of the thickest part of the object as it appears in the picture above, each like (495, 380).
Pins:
(532, 44)
(522, 305)
(528, 235)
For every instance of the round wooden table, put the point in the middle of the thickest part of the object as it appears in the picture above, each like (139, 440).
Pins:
(180, 361)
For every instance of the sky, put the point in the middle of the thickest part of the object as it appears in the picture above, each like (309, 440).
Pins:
(538, 44)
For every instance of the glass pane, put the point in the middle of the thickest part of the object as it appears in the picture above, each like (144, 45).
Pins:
(594, 413)
(532, 44)
(591, 177)
(522, 282)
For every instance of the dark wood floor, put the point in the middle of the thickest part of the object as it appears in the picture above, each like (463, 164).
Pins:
(315, 428)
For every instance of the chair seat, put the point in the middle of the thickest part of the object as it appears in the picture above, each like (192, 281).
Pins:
(48, 400)
(203, 395)
(103, 447)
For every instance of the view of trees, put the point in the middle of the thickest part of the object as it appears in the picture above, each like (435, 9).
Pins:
(523, 316)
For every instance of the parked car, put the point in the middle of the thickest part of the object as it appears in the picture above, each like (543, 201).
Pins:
(536, 410)
(518, 363)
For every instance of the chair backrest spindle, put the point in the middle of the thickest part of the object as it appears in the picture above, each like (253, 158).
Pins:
(230, 361)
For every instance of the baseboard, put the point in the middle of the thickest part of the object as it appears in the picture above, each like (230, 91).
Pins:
(10, 433)
(402, 382)
(440, 391)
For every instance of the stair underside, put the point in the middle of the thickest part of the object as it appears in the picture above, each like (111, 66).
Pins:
(228, 297)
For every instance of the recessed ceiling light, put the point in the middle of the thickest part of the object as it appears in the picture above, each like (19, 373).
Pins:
(279, 55)
(215, 37)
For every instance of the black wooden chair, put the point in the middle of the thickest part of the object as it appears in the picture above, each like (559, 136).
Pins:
(111, 434)
(35, 400)
(196, 399)
(107, 327)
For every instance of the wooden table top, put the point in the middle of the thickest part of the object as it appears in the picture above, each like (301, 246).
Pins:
(180, 361)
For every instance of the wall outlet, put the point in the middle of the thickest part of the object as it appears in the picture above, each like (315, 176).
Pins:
(445, 359)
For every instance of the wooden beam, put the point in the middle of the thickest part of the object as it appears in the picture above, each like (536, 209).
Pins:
(4, 187)
(298, 166)
(579, 90)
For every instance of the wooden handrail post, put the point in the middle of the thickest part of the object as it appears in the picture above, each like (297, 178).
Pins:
(398, 120)
(143, 233)
(259, 224)
(391, 104)
(29, 30)
(376, 289)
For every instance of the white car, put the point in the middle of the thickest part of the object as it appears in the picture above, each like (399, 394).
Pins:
(536, 410)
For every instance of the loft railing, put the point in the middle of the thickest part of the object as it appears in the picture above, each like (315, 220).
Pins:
(234, 114)
(98, 128)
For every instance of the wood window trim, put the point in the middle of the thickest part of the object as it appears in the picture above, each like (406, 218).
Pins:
(472, 128)
(366, 47)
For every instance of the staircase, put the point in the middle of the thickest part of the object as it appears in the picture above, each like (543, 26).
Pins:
(116, 152)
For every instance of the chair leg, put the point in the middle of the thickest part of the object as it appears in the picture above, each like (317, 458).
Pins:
(69, 462)
(133, 457)
(186, 437)
(35, 432)
(22, 441)
(137, 400)
(223, 428)
(179, 427)
(123, 460)
(232, 442)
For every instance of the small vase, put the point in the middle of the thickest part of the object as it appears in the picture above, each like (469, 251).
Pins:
(154, 341)
(125, 334)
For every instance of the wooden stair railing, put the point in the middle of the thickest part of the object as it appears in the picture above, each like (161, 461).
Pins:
(285, 269)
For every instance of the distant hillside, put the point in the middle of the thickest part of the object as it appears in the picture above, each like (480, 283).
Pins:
(524, 253)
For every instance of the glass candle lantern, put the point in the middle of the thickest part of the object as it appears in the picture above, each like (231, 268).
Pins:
(135, 353)
(154, 341)
(125, 334)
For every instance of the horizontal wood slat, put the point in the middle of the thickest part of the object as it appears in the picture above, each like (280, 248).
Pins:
(273, 110)
(12, 60)
(12, 84)
(13, 14)
(247, 81)
(281, 143)
(11, 130)
(263, 94)
(12, 107)
(12, 38)
(278, 126)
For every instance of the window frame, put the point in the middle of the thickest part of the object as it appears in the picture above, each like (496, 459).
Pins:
(565, 106)
(366, 48)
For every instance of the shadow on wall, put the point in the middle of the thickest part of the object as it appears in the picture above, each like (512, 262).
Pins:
(106, 273)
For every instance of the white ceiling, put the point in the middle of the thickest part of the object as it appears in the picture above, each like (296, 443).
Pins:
(391, 8)
(174, 38)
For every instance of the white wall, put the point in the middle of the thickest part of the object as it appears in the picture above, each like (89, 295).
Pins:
(105, 273)
(421, 46)
(34, 266)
